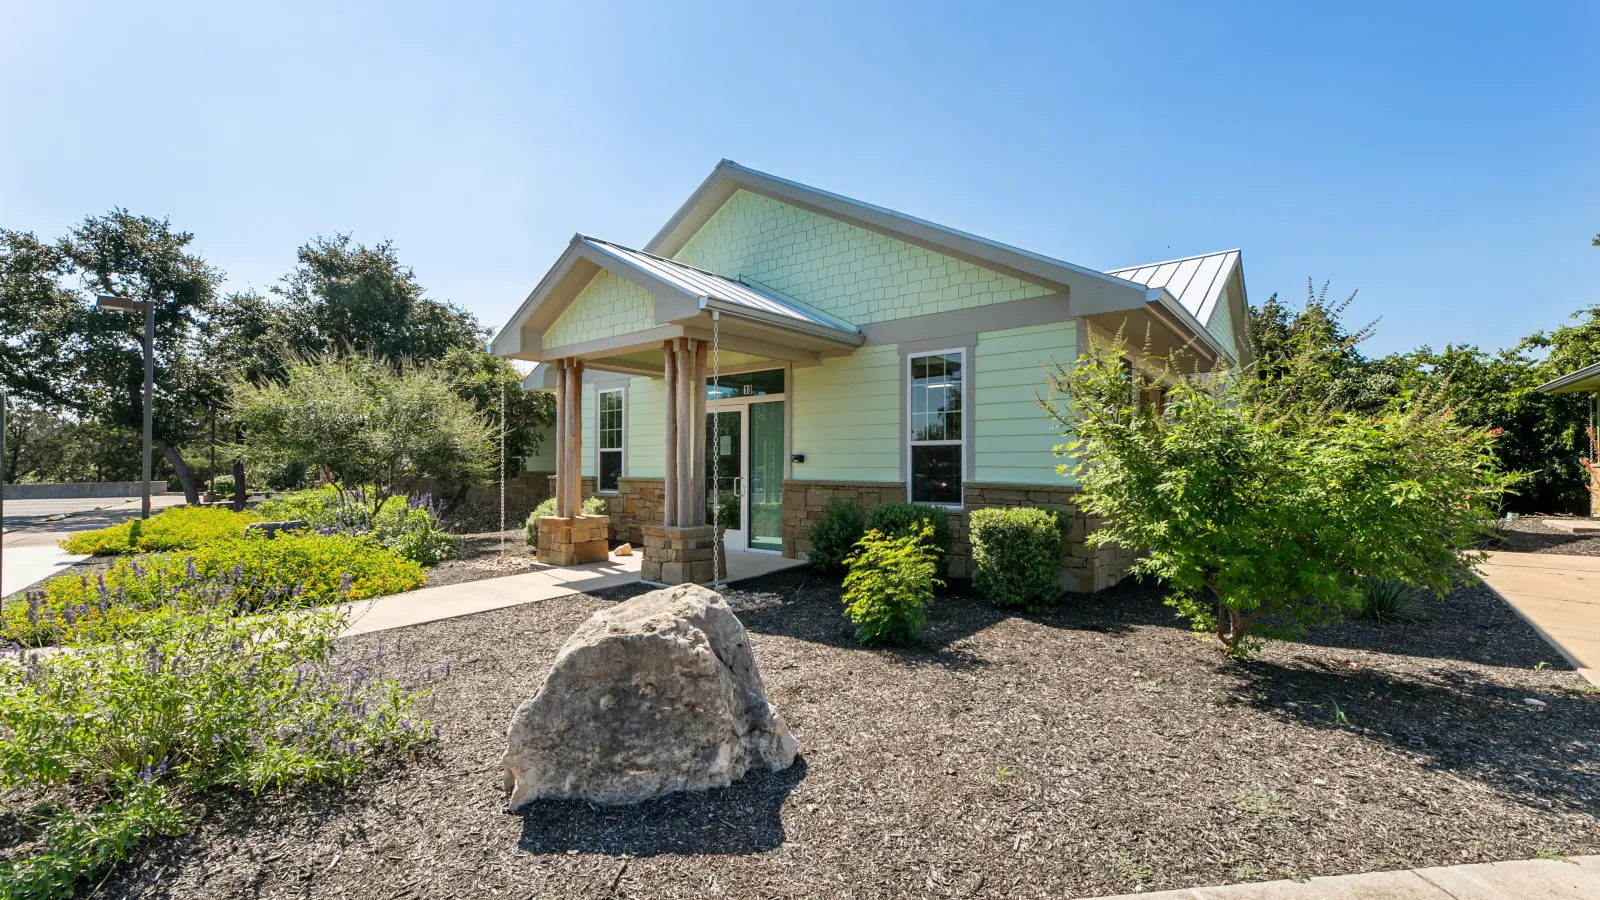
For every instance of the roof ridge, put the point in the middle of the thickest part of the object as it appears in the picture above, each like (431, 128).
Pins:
(1177, 260)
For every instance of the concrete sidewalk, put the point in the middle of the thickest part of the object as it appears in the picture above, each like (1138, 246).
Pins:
(27, 564)
(430, 604)
(1577, 878)
(1559, 596)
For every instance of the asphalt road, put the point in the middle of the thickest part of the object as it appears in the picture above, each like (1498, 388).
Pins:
(28, 522)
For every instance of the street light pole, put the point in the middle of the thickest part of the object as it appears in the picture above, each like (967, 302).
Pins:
(148, 307)
(149, 405)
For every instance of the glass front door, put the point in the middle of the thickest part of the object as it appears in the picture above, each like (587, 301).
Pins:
(765, 506)
(725, 474)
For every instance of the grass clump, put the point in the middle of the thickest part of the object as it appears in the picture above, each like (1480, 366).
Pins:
(1016, 555)
(1260, 804)
(250, 574)
(592, 506)
(104, 748)
(889, 586)
(1389, 600)
(835, 534)
(179, 528)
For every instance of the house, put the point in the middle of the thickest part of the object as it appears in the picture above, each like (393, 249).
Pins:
(846, 350)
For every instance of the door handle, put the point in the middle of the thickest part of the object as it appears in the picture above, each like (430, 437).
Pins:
(738, 486)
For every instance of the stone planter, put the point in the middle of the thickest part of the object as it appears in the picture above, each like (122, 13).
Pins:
(682, 555)
(575, 540)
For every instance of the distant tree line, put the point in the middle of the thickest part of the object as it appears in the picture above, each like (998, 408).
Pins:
(74, 373)
(1542, 436)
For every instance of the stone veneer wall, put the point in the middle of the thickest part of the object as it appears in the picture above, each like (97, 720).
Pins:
(1087, 569)
(523, 493)
(637, 502)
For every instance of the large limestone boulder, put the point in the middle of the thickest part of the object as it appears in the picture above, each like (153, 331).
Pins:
(654, 695)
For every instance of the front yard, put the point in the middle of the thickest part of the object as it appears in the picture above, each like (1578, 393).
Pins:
(1095, 749)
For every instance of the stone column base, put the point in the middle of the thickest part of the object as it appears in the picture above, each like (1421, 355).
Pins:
(575, 540)
(674, 555)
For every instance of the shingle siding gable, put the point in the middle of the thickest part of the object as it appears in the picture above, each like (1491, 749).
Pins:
(858, 275)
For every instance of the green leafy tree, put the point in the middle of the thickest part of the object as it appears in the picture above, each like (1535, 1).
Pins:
(1261, 518)
(486, 379)
(366, 423)
(346, 297)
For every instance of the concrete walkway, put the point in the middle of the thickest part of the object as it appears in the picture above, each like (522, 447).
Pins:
(1577, 878)
(430, 604)
(1559, 596)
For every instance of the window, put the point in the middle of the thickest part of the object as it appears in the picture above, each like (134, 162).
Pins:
(937, 427)
(610, 442)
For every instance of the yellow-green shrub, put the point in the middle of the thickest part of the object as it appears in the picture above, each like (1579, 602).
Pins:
(179, 528)
(251, 573)
(890, 585)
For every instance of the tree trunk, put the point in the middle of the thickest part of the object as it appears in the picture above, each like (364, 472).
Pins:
(191, 491)
(240, 492)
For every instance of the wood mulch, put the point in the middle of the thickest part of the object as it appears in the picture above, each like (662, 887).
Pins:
(1534, 534)
(1097, 749)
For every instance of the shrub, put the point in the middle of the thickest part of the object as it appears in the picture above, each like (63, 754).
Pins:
(249, 574)
(592, 506)
(223, 484)
(728, 509)
(408, 525)
(835, 534)
(103, 747)
(889, 587)
(1388, 600)
(902, 519)
(1016, 555)
(178, 528)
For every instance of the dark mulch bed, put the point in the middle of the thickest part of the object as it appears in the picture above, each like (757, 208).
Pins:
(484, 554)
(1098, 749)
(1534, 534)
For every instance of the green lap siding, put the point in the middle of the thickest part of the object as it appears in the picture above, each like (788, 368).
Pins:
(1221, 324)
(1013, 441)
(646, 455)
(853, 273)
(846, 417)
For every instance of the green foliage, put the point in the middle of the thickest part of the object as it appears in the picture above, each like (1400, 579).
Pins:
(104, 747)
(241, 575)
(592, 506)
(407, 525)
(1016, 555)
(835, 534)
(889, 587)
(486, 379)
(931, 524)
(1388, 600)
(1258, 514)
(366, 422)
(728, 509)
(178, 528)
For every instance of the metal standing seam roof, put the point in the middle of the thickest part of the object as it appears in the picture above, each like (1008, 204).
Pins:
(701, 283)
(1197, 281)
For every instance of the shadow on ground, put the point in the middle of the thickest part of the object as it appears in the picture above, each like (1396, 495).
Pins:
(1447, 719)
(745, 817)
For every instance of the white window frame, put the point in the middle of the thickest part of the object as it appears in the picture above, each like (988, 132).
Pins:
(622, 449)
(965, 442)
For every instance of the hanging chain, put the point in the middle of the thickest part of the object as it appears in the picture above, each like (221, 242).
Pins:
(716, 450)
(502, 467)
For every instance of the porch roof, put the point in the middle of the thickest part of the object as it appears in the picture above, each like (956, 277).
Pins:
(1584, 379)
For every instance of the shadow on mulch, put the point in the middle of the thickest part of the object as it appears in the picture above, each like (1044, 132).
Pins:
(1471, 727)
(740, 819)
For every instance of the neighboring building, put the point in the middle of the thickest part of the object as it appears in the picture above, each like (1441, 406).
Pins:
(863, 353)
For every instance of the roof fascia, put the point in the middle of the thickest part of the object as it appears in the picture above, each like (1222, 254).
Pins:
(1163, 300)
(729, 176)
(1564, 383)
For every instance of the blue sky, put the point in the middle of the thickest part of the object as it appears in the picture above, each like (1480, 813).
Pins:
(1441, 158)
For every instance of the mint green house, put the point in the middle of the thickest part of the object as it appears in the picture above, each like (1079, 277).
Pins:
(848, 350)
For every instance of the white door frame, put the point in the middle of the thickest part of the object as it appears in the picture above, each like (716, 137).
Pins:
(740, 539)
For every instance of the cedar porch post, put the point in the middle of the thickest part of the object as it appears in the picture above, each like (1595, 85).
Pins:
(561, 439)
(685, 451)
(575, 439)
(697, 439)
(669, 500)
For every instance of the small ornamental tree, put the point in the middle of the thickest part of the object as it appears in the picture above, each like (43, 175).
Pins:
(366, 423)
(1264, 517)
